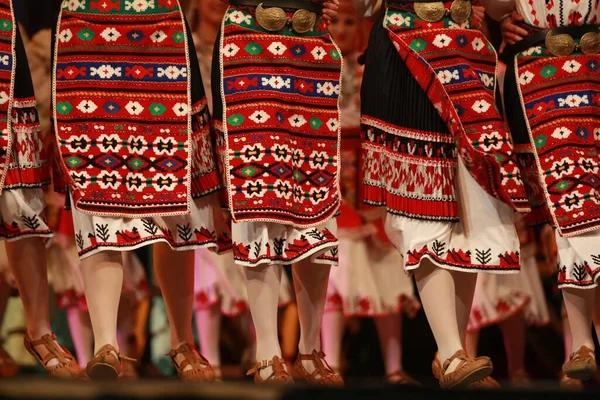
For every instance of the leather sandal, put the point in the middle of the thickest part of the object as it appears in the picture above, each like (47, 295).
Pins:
(66, 367)
(581, 364)
(402, 378)
(486, 383)
(470, 373)
(106, 364)
(200, 367)
(323, 373)
(278, 376)
(8, 367)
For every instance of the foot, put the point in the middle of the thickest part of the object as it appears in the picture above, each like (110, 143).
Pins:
(106, 364)
(270, 372)
(313, 369)
(190, 364)
(581, 364)
(54, 358)
(467, 372)
(402, 378)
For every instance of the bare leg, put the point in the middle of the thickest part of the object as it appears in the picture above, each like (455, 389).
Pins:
(310, 286)
(208, 325)
(175, 274)
(389, 328)
(513, 331)
(27, 261)
(580, 306)
(82, 335)
(471, 343)
(331, 335)
(290, 332)
(263, 298)
(103, 280)
(438, 295)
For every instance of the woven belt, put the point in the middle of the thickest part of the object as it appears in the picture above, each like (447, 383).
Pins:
(559, 41)
(271, 15)
(434, 11)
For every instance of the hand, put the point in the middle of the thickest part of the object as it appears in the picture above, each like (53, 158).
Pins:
(330, 9)
(511, 32)
(478, 13)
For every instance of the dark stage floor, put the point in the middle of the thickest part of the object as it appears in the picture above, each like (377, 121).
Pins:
(43, 388)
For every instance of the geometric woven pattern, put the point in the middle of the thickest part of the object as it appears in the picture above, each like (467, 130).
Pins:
(280, 128)
(561, 99)
(455, 65)
(130, 139)
(22, 162)
(7, 75)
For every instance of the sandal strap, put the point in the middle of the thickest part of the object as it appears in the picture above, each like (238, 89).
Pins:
(109, 349)
(277, 365)
(461, 355)
(55, 351)
(191, 357)
(322, 368)
(583, 352)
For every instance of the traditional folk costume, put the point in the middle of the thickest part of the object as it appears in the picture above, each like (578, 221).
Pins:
(276, 83)
(133, 133)
(23, 169)
(278, 121)
(434, 156)
(499, 297)
(368, 282)
(132, 127)
(552, 104)
(436, 153)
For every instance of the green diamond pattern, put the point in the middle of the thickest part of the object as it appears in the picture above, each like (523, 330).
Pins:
(334, 54)
(235, 120)
(64, 108)
(298, 176)
(315, 123)
(5, 25)
(548, 72)
(540, 141)
(157, 109)
(86, 34)
(418, 44)
(564, 185)
(249, 171)
(253, 48)
(178, 37)
(74, 161)
(136, 163)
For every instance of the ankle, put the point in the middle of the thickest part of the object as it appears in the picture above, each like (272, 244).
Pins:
(446, 354)
(175, 344)
(36, 333)
(102, 343)
(307, 347)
